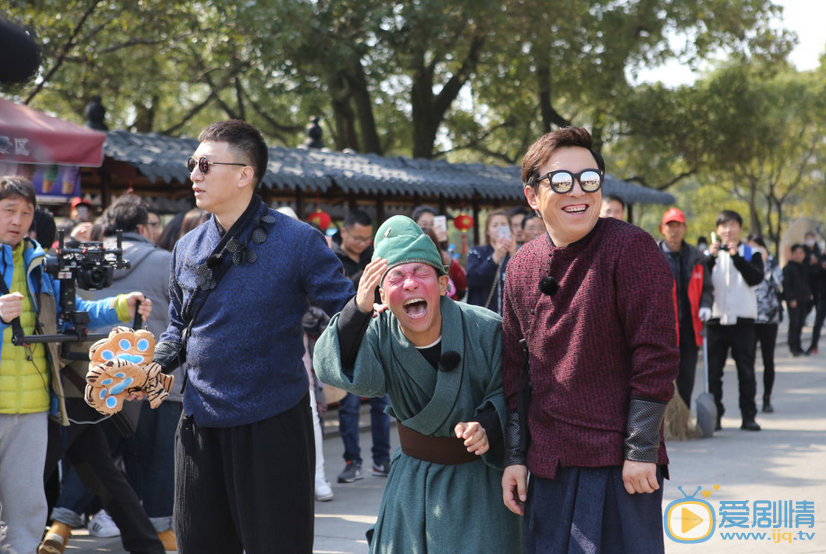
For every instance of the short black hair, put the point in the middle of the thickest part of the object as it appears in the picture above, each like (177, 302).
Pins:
(419, 211)
(529, 216)
(357, 217)
(244, 138)
(610, 197)
(44, 227)
(12, 187)
(126, 213)
(728, 215)
(797, 246)
(756, 239)
(517, 210)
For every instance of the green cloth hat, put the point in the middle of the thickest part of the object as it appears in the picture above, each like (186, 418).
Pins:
(400, 240)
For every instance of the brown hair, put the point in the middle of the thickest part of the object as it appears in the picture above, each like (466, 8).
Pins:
(12, 186)
(491, 215)
(445, 256)
(192, 219)
(541, 150)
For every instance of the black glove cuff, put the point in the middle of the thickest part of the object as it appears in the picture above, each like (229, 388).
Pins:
(645, 418)
(168, 355)
(516, 453)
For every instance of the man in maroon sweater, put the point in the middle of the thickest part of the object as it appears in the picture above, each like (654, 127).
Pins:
(593, 301)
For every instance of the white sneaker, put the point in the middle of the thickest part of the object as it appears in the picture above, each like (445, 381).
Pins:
(101, 525)
(323, 492)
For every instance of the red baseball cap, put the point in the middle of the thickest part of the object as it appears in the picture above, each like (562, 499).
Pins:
(673, 215)
(77, 201)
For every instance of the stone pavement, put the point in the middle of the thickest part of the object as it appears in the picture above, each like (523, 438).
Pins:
(785, 462)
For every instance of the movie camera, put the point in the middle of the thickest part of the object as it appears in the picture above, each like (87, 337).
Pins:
(85, 265)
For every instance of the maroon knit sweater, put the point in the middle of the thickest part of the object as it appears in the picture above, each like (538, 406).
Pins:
(606, 335)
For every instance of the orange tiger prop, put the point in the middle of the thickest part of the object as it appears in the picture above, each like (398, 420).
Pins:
(122, 364)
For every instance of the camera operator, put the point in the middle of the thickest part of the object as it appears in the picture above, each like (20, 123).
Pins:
(736, 269)
(148, 452)
(26, 373)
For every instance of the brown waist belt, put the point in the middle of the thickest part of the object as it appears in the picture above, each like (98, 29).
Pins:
(439, 450)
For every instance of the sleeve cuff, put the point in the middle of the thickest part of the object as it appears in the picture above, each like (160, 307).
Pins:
(122, 308)
(168, 355)
(516, 453)
(488, 418)
(645, 418)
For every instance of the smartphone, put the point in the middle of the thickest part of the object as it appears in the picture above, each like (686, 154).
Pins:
(440, 225)
(503, 232)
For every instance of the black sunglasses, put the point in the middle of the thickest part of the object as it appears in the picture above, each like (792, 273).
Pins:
(562, 180)
(203, 164)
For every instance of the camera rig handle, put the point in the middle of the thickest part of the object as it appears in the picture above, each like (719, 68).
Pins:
(70, 264)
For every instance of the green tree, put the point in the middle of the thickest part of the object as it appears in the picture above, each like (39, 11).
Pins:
(754, 131)
(469, 79)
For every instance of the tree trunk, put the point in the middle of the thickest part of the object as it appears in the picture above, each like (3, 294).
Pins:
(429, 111)
(421, 98)
(357, 81)
(754, 217)
(544, 85)
(145, 118)
(346, 135)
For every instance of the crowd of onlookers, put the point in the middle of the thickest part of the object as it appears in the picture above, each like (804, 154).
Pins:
(751, 299)
(743, 310)
(728, 294)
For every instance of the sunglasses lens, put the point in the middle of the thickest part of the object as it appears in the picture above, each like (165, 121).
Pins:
(562, 182)
(203, 165)
(190, 164)
(590, 181)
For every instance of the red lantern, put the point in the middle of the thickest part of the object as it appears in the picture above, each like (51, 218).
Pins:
(322, 219)
(463, 222)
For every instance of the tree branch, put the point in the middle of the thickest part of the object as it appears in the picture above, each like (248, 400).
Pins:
(212, 95)
(64, 52)
(277, 128)
(451, 89)
(644, 182)
(474, 145)
(141, 42)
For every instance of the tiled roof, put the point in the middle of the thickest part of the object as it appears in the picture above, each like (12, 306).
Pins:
(161, 157)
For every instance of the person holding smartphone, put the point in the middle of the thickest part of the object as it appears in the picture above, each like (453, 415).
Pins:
(486, 264)
(429, 220)
(736, 270)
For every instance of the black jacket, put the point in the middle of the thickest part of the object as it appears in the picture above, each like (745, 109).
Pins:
(796, 284)
(353, 269)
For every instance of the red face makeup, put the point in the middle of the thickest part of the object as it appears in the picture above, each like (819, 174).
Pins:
(412, 291)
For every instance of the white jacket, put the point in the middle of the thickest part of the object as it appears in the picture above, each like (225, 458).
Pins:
(733, 297)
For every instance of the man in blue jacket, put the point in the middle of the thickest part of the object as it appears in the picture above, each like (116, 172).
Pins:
(245, 455)
(30, 380)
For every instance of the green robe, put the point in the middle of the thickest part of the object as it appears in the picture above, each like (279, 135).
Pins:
(430, 507)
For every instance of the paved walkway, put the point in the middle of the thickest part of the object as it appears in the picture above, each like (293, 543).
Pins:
(785, 462)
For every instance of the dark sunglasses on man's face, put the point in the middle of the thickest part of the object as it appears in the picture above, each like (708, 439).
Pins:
(203, 164)
(562, 180)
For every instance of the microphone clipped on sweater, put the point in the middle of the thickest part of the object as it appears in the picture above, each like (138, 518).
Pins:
(449, 361)
(548, 285)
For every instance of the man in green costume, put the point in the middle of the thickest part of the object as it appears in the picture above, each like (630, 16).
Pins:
(441, 364)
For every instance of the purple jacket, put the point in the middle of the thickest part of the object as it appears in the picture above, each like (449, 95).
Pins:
(605, 336)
